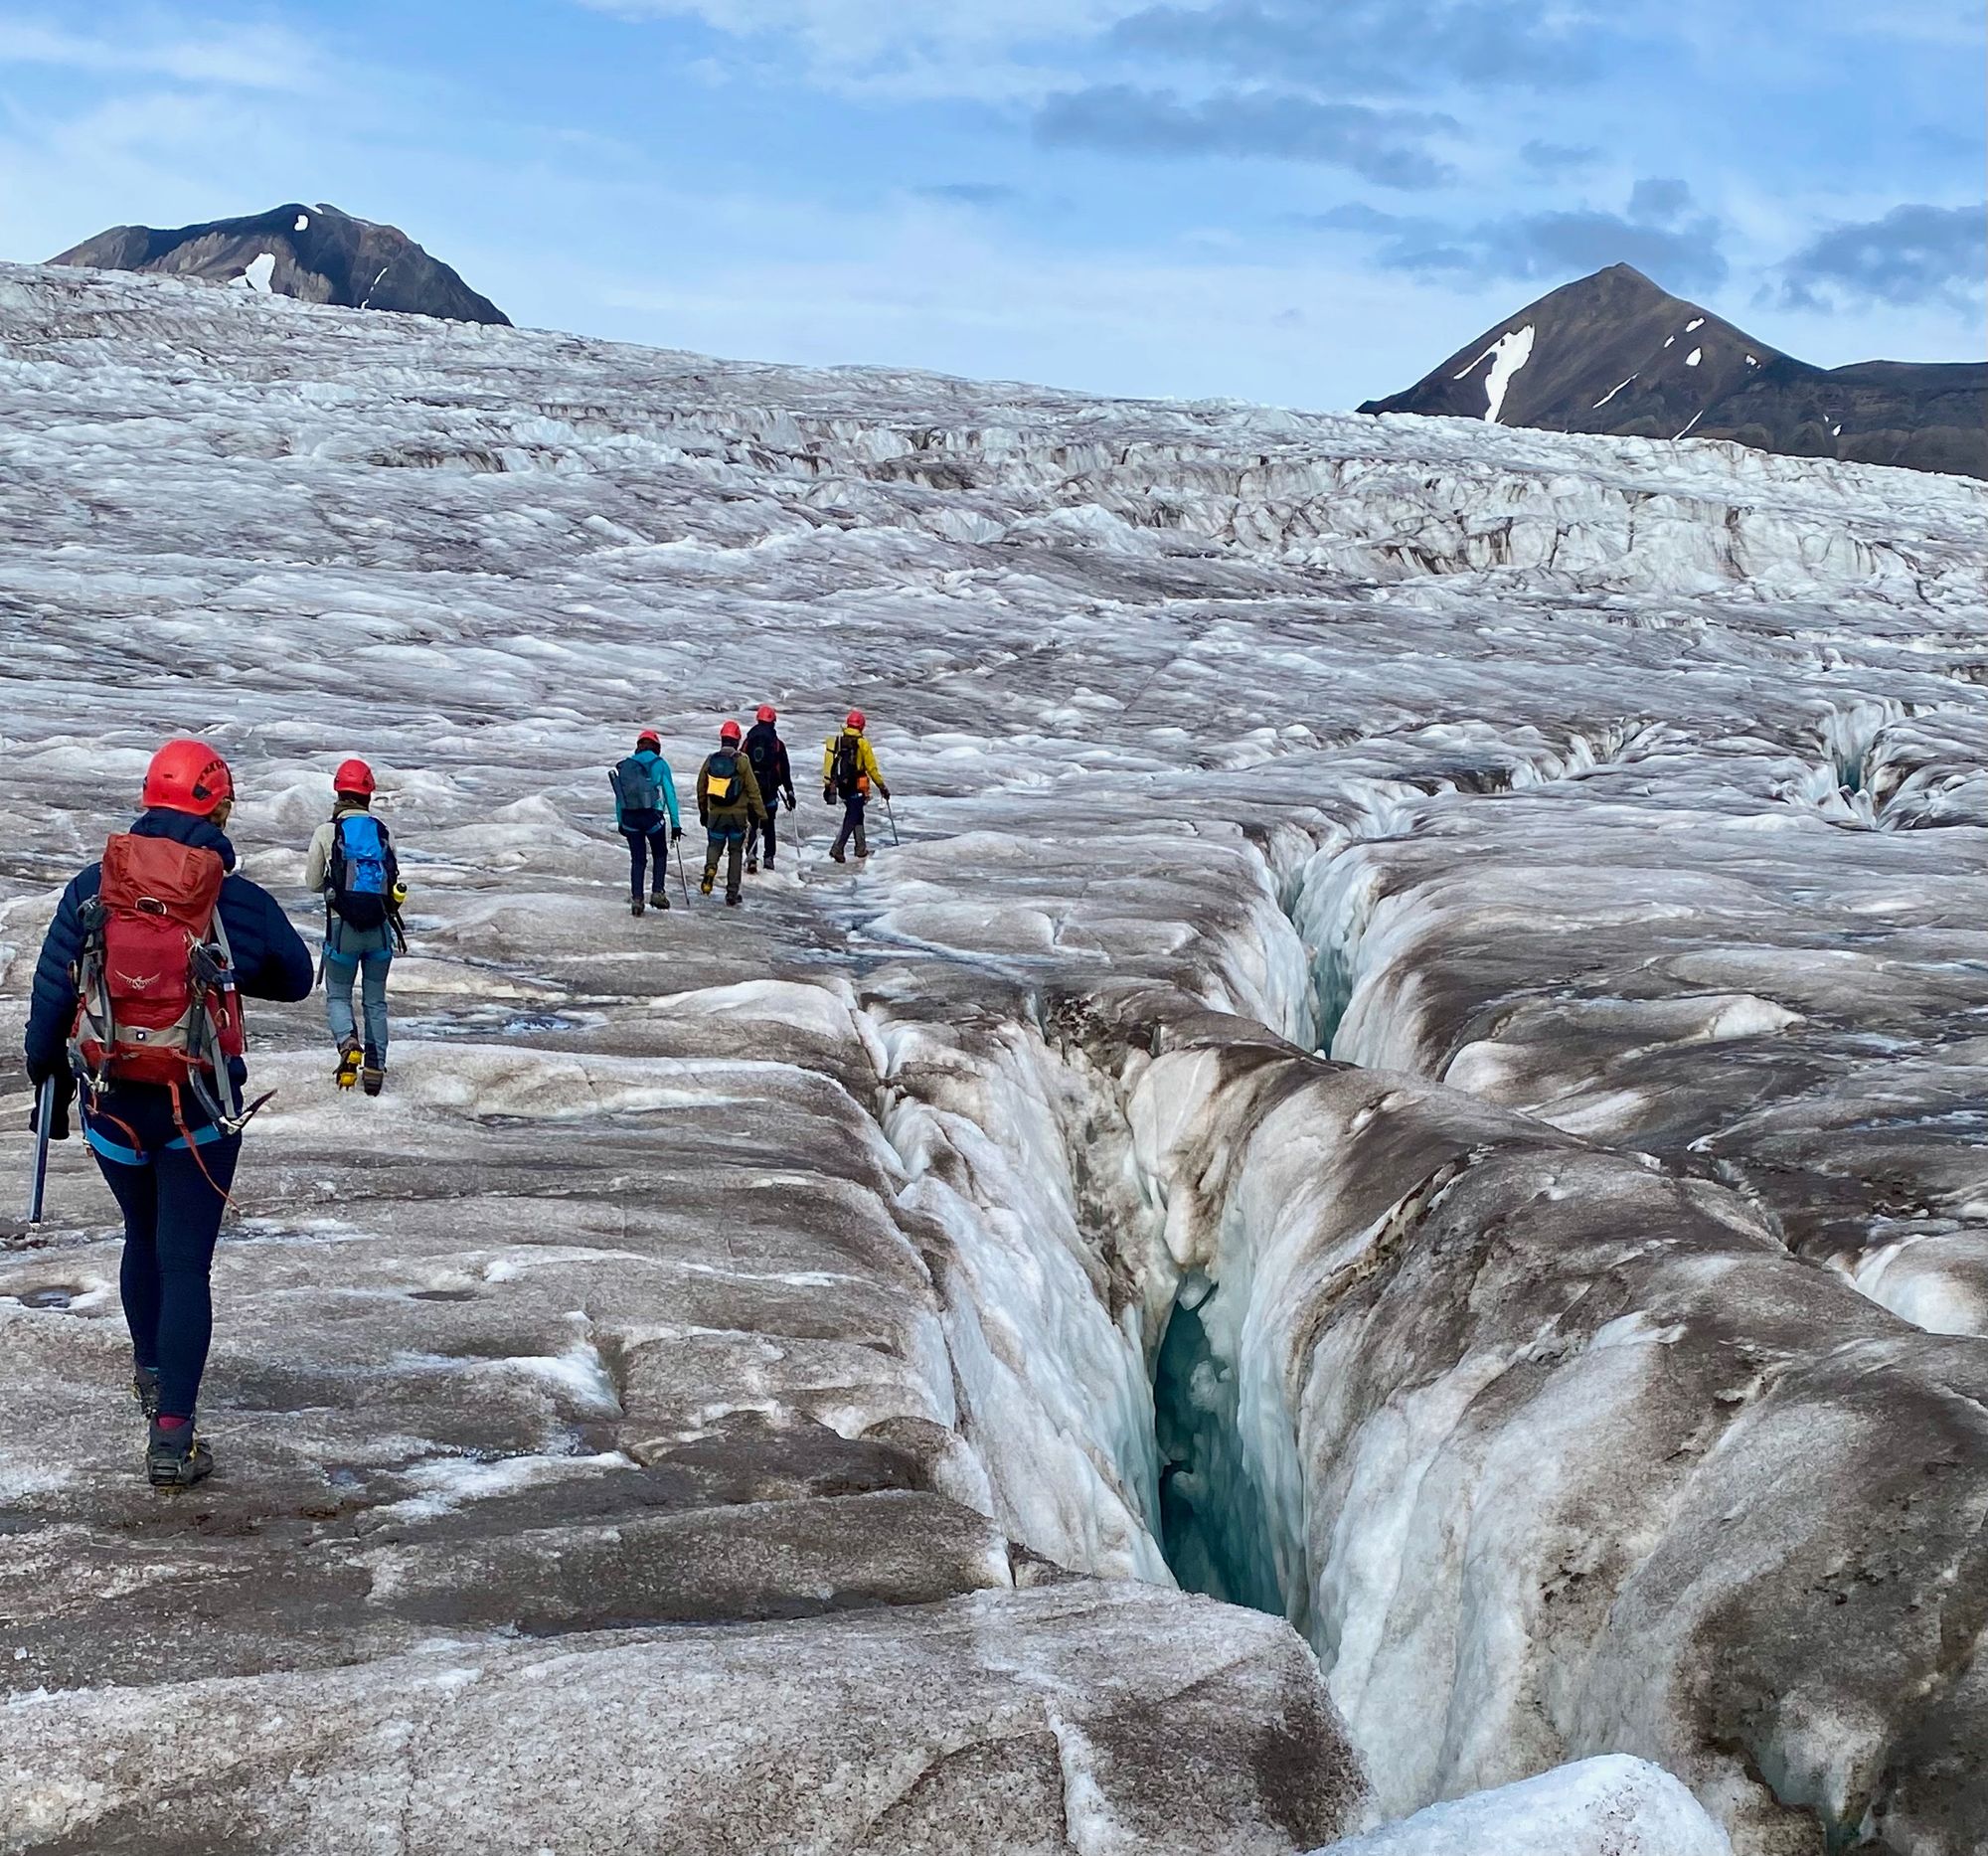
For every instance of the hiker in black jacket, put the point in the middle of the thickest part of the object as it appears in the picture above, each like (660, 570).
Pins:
(768, 754)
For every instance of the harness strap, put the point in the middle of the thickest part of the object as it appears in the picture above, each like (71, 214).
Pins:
(193, 1147)
(133, 1155)
(132, 1150)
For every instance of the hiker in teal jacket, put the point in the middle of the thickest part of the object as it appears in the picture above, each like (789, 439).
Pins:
(644, 795)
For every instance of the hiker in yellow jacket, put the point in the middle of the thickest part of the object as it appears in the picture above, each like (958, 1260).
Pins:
(848, 772)
(728, 800)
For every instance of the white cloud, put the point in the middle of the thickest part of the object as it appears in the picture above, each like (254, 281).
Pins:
(917, 283)
(148, 156)
(139, 128)
(981, 49)
(247, 56)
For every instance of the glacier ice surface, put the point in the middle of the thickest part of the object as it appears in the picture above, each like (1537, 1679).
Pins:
(1590, 1353)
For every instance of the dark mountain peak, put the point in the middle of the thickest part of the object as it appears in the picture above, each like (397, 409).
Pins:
(316, 254)
(1616, 353)
(1617, 278)
(1626, 274)
(1579, 348)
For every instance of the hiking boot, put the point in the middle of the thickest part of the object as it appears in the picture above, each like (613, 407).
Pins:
(175, 1457)
(732, 899)
(635, 906)
(658, 900)
(770, 862)
(347, 1072)
(145, 1389)
(752, 866)
(709, 883)
(373, 1078)
(838, 857)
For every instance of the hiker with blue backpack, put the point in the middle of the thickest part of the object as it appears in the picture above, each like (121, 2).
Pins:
(352, 863)
(645, 813)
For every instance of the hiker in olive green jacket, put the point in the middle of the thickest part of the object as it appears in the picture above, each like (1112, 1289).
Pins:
(728, 800)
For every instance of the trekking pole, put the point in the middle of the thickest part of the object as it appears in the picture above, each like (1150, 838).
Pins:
(38, 1168)
(800, 848)
(683, 882)
(893, 817)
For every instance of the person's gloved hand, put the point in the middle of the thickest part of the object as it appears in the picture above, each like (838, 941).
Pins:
(676, 834)
(828, 796)
(883, 789)
(64, 1094)
(790, 800)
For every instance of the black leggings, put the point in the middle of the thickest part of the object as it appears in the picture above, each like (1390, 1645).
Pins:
(172, 1204)
(644, 843)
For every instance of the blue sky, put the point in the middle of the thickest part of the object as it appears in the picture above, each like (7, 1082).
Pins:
(1302, 201)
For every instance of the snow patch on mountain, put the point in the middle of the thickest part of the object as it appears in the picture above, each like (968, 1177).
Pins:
(1507, 355)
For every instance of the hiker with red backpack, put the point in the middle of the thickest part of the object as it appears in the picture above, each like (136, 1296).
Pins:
(353, 866)
(848, 772)
(727, 802)
(771, 768)
(137, 1000)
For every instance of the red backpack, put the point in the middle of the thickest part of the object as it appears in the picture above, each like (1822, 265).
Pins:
(156, 985)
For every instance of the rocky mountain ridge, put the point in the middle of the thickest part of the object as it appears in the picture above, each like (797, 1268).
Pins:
(1617, 354)
(317, 254)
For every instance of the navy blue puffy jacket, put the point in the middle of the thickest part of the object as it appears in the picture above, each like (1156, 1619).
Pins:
(270, 961)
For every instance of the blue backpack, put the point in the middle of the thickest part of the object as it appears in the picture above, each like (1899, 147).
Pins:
(636, 786)
(361, 872)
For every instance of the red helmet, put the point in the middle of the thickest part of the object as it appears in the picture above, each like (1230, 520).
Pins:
(856, 720)
(188, 776)
(650, 739)
(352, 777)
(767, 712)
(730, 732)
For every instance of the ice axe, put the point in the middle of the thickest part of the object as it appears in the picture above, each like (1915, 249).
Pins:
(37, 1164)
(892, 815)
(683, 882)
